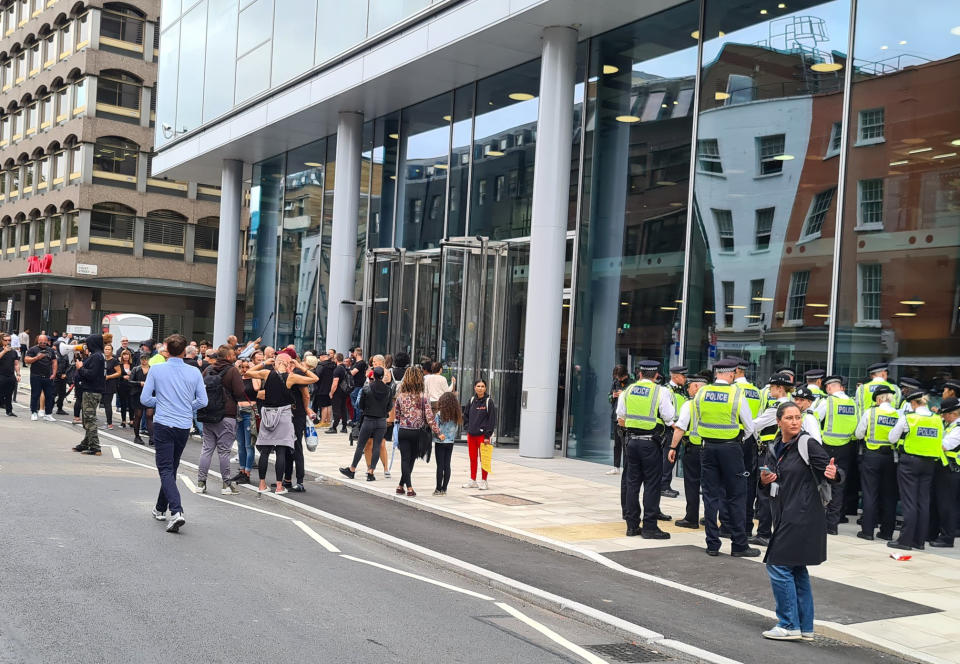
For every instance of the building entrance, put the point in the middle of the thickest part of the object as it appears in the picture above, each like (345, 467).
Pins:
(463, 304)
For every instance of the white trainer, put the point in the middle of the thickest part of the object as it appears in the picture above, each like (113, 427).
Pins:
(176, 522)
(807, 636)
(49, 418)
(613, 471)
(778, 633)
(34, 417)
(482, 484)
(159, 516)
(472, 484)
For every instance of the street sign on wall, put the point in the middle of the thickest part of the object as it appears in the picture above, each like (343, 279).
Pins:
(87, 269)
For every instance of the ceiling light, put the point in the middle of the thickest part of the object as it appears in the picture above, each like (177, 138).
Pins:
(668, 308)
(784, 157)
(826, 66)
(752, 316)
(393, 177)
(821, 315)
(899, 163)
(624, 304)
(782, 5)
(442, 167)
(944, 156)
(665, 183)
(884, 47)
(394, 136)
(566, 306)
(720, 96)
(679, 301)
(627, 118)
(763, 11)
(763, 299)
(955, 141)
(817, 304)
(520, 96)
(913, 303)
(610, 69)
(677, 204)
(708, 312)
(494, 153)
(955, 31)
(447, 118)
(663, 106)
(905, 314)
(312, 164)
(675, 102)
(736, 306)
(902, 42)
(695, 34)
(721, 33)
(919, 150)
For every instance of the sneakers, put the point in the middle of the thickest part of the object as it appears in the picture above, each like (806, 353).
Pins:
(201, 486)
(371, 477)
(749, 552)
(158, 515)
(807, 636)
(613, 471)
(778, 633)
(34, 417)
(346, 472)
(437, 492)
(91, 452)
(11, 414)
(482, 485)
(79, 448)
(49, 418)
(759, 540)
(472, 484)
(176, 523)
(229, 489)
(298, 488)
(386, 474)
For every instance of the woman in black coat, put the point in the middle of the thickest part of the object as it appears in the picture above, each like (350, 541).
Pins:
(799, 522)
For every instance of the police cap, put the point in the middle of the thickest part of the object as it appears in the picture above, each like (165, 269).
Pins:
(648, 365)
(743, 363)
(909, 382)
(698, 378)
(883, 389)
(814, 374)
(785, 380)
(833, 379)
(785, 369)
(949, 405)
(913, 394)
(726, 364)
(953, 385)
(679, 369)
(803, 393)
(879, 366)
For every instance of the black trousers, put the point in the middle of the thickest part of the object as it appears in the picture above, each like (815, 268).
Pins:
(878, 477)
(299, 427)
(666, 475)
(724, 484)
(915, 478)
(7, 384)
(280, 463)
(106, 399)
(623, 478)
(60, 387)
(370, 427)
(691, 481)
(644, 466)
(845, 457)
(123, 401)
(408, 440)
(77, 398)
(943, 508)
(443, 453)
(619, 434)
(750, 454)
(339, 409)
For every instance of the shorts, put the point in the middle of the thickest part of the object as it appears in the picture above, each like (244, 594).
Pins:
(324, 401)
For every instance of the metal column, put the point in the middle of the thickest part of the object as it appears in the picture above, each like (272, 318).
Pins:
(228, 251)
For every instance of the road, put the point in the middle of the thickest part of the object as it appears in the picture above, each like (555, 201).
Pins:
(106, 582)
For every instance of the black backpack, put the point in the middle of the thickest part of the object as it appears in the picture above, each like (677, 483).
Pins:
(346, 383)
(214, 411)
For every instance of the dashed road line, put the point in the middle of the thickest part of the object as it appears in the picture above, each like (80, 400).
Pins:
(418, 577)
(553, 636)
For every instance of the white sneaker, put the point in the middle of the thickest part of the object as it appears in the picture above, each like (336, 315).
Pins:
(159, 516)
(613, 471)
(807, 636)
(176, 522)
(49, 418)
(229, 489)
(778, 633)
(482, 484)
(472, 484)
(34, 417)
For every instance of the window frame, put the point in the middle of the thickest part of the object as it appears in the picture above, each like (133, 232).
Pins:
(816, 209)
(723, 220)
(728, 302)
(709, 158)
(861, 126)
(796, 302)
(758, 233)
(869, 225)
(862, 319)
(770, 161)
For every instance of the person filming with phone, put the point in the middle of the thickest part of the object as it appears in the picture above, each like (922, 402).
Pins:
(795, 473)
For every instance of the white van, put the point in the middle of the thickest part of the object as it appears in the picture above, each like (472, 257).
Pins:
(134, 327)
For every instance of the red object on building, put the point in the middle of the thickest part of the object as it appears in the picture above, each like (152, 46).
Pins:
(37, 264)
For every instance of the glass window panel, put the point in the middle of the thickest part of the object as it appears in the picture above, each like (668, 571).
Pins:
(724, 220)
(80, 96)
(116, 156)
(772, 94)
(505, 141)
(363, 212)
(424, 147)
(167, 66)
(900, 248)
(169, 12)
(266, 210)
(386, 147)
(708, 156)
(190, 80)
(351, 21)
(633, 213)
(296, 21)
(66, 38)
(256, 24)
(253, 73)
(384, 13)
(220, 60)
(20, 66)
(460, 161)
(83, 29)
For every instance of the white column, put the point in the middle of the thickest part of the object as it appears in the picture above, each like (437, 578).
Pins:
(343, 241)
(228, 251)
(548, 237)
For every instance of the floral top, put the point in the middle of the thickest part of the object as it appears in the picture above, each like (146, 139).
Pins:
(410, 410)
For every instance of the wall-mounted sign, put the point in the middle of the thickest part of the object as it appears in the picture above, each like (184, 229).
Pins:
(78, 329)
(87, 269)
(39, 265)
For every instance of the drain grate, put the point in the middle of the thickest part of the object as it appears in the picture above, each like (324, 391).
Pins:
(628, 652)
(504, 499)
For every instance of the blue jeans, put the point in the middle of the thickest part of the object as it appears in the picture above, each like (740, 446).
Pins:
(41, 384)
(245, 454)
(791, 590)
(355, 402)
(169, 443)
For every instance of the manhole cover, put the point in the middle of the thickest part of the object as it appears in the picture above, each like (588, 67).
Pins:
(628, 652)
(504, 499)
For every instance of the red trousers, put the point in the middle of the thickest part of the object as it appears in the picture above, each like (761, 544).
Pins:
(473, 446)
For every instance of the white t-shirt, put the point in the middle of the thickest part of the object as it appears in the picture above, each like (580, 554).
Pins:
(435, 385)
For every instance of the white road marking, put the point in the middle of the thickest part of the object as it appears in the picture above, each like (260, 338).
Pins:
(418, 577)
(115, 450)
(190, 485)
(694, 651)
(553, 636)
(312, 534)
(137, 463)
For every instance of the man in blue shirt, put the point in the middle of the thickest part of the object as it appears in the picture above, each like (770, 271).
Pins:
(175, 390)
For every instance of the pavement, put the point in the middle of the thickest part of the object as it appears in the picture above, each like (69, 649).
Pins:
(564, 536)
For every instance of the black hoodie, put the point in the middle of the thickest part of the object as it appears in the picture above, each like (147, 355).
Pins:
(92, 374)
(376, 399)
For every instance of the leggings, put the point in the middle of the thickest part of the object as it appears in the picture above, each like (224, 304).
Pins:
(123, 403)
(473, 447)
(443, 452)
(107, 401)
(138, 414)
(280, 463)
(409, 450)
(371, 428)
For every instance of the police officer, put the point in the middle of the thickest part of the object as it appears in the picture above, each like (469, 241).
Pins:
(907, 384)
(683, 434)
(946, 481)
(920, 436)
(765, 425)
(645, 409)
(878, 468)
(751, 394)
(878, 377)
(765, 392)
(677, 385)
(837, 415)
(722, 420)
(804, 398)
(814, 378)
(951, 389)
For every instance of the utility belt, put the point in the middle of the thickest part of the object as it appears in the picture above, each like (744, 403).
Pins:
(718, 441)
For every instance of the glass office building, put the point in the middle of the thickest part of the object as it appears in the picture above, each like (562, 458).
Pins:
(775, 181)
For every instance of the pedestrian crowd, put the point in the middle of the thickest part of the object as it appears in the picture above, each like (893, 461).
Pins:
(797, 457)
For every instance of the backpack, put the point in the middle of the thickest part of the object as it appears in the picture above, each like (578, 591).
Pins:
(215, 409)
(823, 486)
(346, 383)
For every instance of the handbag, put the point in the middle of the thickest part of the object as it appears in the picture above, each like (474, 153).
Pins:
(425, 438)
(310, 437)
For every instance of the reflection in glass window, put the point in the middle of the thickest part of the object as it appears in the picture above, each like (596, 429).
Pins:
(770, 153)
(871, 202)
(266, 208)
(386, 144)
(351, 21)
(729, 290)
(797, 298)
(118, 88)
(220, 62)
(708, 156)
(756, 301)
(295, 23)
(818, 212)
(460, 161)
(764, 228)
(193, 29)
(167, 66)
(724, 219)
(385, 13)
(870, 283)
(871, 124)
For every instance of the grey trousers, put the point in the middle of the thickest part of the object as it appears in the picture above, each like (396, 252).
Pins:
(219, 436)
